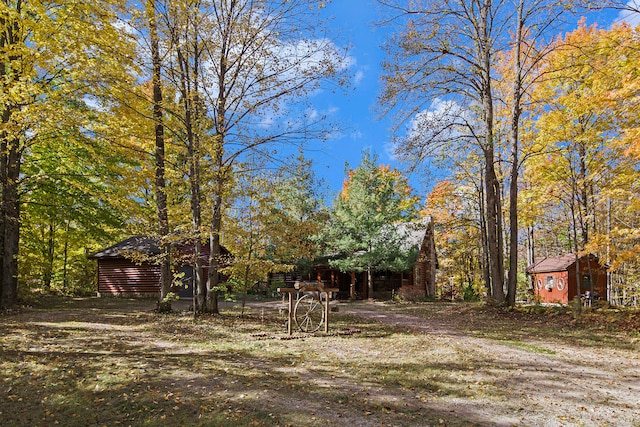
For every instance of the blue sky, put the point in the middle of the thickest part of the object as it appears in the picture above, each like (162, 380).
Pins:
(352, 23)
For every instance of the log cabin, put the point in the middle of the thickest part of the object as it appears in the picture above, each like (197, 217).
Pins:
(418, 282)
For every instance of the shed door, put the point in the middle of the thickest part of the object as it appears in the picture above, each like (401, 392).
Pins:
(183, 283)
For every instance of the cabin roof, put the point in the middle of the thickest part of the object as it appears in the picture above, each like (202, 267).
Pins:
(556, 263)
(148, 246)
(141, 244)
(413, 235)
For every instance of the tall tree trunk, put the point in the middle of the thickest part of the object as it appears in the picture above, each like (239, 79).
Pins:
(513, 220)
(9, 177)
(575, 249)
(493, 231)
(492, 185)
(214, 240)
(214, 260)
(10, 159)
(512, 283)
(486, 274)
(49, 256)
(164, 305)
(582, 182)
(220, 171)
(193, 152)
(245, 280)
(65, 255)
(187, 78)
(531, 245)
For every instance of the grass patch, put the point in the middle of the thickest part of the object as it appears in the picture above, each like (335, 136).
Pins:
(533, 348)
(610, 328)
(115, 362)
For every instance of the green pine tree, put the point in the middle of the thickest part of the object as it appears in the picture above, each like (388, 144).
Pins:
(366, 229)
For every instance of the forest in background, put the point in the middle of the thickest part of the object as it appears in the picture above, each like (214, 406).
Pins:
(188, 121)
(538, 128)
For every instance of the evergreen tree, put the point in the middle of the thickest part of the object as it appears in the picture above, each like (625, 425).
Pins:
(365, 223)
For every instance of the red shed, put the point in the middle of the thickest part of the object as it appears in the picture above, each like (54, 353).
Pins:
(554, 278)
(119, 274)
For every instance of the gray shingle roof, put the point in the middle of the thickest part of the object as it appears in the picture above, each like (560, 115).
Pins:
(142, 244)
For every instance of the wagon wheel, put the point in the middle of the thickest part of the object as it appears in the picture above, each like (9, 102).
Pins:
(308, 314)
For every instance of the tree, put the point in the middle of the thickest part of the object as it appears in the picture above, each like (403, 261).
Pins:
(240, 67)
(53, 56)
(586, 131)
(238, 76)
(184, 22)
(267, 55)
(296, 215)
(448, 56)
(164, 304)
(364, 224)
(65, 208)
(453, 206)
(446, 52)
(272, 223)
(249, 232)
(532, 28)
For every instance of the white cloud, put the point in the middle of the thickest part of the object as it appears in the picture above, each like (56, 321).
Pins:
(430, 131)
(390, 151)
(126, 27)
(267, 120)
(298, 59)
(439, 121)
(312, 115)
(357, 78)
(632, 15)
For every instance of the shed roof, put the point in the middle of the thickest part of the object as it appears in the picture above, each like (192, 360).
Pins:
(141, 244)
(148, 247)
(556, 263)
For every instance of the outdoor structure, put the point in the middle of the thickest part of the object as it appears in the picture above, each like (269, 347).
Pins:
(421, 281)
(309, 312)
(128, 268)
(554, 279)
(417, 282)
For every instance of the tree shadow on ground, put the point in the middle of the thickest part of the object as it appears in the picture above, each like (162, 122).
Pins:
(88, 366)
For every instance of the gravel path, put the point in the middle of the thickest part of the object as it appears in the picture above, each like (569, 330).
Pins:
(553, 385)
(420, 372)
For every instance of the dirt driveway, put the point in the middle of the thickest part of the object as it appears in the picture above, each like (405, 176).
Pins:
(112, 363)
(545, 382)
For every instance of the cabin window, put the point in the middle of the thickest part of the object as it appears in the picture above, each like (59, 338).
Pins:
(561, 284)
(549, 283)
(586, 282)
